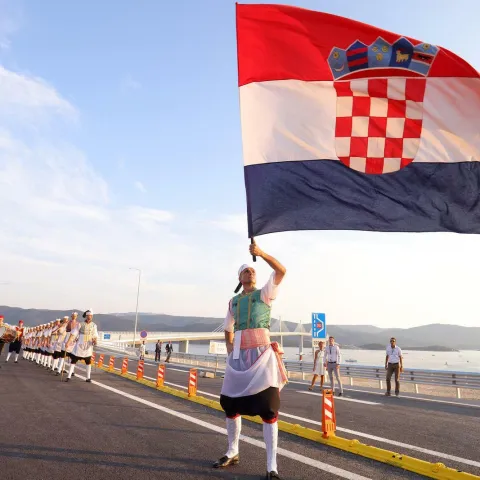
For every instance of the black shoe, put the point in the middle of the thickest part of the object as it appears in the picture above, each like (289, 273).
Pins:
(225, 461)
(272, 474)
(88, 380)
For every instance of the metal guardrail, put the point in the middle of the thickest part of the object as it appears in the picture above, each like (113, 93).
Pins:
(441, 378)
(458, 380)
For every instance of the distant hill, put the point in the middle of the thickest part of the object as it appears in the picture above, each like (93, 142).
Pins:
(436, 335)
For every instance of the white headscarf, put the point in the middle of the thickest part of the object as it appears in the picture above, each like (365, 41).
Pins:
(242, 268)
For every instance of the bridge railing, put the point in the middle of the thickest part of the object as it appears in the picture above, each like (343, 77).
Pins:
(296, 369)
(303, 369)
(441, 378)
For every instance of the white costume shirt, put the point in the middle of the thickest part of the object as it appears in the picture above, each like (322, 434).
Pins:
(62, 334)
(71, 338)
(84, 346)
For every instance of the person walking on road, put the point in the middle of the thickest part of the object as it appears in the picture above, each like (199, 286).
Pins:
(85, 337)
(255, 373)
(16, 345)
(318, 365)
(2, 343)
(393, 363)
(158, 351)
(169, 350)
(332, 364)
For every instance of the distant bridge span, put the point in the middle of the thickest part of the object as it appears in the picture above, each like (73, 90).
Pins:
(183, 337)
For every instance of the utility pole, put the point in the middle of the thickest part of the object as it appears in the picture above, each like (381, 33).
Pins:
(136, 309)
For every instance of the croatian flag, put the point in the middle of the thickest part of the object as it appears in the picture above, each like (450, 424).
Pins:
(349, 127)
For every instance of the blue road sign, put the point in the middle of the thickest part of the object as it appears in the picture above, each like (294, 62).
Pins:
(319, 325)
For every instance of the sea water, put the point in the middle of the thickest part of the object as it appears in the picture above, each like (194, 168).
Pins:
(463, 361)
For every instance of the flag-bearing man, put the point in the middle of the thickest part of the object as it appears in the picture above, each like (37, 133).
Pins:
(255, 373)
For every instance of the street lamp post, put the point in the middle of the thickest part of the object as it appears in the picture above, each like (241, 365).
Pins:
(136, 310)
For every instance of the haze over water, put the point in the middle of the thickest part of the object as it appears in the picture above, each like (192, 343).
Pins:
(463, 361)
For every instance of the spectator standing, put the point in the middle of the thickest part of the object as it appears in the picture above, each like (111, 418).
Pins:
(332, 364)
(318, 365)
(169, 350)
(158, 351)
(393, 363)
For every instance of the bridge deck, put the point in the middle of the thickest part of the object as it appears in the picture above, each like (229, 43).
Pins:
(105, 430)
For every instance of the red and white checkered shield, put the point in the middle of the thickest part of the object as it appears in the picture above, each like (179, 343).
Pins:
(379, 122)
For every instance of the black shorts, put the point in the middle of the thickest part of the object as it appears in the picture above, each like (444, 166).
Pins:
(75, 359)
(15, 347)
(266, 404)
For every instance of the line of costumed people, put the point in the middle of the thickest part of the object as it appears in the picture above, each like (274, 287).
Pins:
(53, 344)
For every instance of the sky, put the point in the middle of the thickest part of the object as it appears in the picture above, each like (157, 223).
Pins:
(120, 148)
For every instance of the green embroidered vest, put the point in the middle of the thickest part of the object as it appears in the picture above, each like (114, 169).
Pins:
(249, 311)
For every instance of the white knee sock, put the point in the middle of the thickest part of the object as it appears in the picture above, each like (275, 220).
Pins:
(9, 354)
(270, 435)
(234, 426)
(16, 357)
(72, 368)
(89, 370)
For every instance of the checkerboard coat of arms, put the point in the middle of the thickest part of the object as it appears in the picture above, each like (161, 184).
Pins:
(380, 90)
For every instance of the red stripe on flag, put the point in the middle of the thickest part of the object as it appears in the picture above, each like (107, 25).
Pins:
(357, 51)
(358, 61)
(279, 42)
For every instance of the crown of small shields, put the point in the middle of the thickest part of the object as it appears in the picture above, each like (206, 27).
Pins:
(401, 54)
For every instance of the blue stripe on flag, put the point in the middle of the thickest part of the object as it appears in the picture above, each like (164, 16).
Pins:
(326, 195)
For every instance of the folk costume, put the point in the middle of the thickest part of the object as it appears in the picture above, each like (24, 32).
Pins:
(2, 343)
(255, 373)
(83, 349)
(59, 353)
(16, 345)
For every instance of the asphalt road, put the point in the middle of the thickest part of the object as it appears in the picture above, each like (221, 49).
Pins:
(427, 428)
(115, 428)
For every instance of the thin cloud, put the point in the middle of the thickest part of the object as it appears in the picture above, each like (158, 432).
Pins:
(140, 186)
(21, 94)
(128, 83)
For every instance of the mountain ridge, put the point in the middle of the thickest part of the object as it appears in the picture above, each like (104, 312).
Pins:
(440, 335)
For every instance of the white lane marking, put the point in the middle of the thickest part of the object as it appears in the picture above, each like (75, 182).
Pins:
(252, 441)
(433, 400)
(434, 453)
(366, 402)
